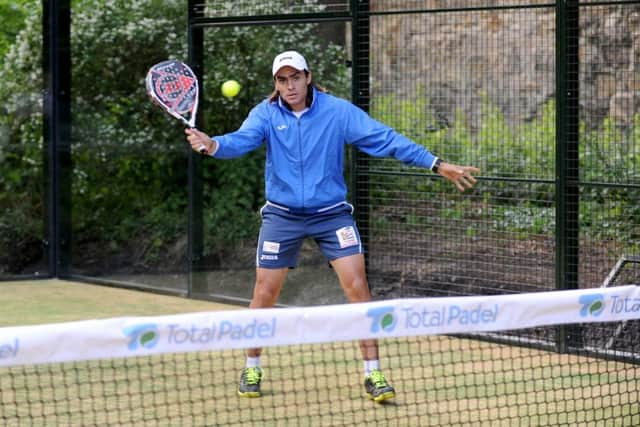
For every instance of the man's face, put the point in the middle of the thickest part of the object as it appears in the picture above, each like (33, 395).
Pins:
(292, 86)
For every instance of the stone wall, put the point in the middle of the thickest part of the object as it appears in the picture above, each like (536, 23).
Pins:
(610, 63)
(457, 58)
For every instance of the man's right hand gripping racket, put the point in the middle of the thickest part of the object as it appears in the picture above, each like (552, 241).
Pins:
(173, 86)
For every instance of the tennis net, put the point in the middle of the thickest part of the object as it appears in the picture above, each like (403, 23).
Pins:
(464, 361)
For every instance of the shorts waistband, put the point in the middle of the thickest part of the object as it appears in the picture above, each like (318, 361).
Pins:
(306, 211)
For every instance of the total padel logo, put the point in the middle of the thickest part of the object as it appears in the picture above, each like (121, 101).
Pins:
(144, 335)
(592, 305)
(382, 319)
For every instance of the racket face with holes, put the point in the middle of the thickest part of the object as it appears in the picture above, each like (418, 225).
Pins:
(174, 87)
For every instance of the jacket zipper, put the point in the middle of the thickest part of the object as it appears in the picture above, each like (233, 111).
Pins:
(301, 161)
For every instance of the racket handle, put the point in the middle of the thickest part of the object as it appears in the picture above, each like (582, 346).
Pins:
(202, 149)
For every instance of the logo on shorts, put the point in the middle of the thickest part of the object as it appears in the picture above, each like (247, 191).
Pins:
(347, 236)
(268, 257)
(272, 247)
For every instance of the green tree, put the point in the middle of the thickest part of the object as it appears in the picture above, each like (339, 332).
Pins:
(13, 15)
(21, 166)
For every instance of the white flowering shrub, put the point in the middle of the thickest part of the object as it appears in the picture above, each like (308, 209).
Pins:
(22, 177)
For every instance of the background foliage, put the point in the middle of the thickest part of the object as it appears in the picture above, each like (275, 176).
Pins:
(13, 14)
(129, 186)
(608, 153)
(130, 160)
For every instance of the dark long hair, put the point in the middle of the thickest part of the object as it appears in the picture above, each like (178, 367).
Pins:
(275, 94)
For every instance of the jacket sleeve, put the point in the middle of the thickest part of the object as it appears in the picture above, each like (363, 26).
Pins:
(251, 134)
(379, 140)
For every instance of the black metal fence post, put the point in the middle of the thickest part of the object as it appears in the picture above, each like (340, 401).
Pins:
(567, 168)
(360, 96)
(196, 282)
(56, 66)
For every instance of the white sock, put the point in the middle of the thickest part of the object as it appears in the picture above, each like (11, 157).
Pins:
(253, 362)
(370, 365)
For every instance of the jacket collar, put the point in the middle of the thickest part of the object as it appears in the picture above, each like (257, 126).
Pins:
(313, 100)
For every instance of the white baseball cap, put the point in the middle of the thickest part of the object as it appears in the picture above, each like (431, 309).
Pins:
(289, 58)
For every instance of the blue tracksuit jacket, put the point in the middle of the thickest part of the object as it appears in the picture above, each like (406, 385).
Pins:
(305, 156)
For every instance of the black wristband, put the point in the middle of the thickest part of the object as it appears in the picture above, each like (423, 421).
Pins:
(436, 165)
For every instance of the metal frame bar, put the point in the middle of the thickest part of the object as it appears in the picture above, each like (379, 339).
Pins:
(360, 94)
(462, 9)
(196, 283)
(56, 66)
(567, 164)
(202, 22)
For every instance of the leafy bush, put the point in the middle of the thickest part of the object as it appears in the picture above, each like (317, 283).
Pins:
(608, 154)
(22, 177)
(13, 15)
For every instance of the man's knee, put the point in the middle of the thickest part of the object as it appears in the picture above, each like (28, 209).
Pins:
(266, 290)
(358, 287)
(268, 286)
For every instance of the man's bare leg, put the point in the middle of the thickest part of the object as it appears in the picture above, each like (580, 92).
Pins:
(266, 291)
(353, 279)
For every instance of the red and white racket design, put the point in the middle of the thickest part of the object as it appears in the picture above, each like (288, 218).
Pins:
(173, 86)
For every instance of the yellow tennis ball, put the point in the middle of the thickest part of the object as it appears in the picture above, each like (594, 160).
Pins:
(230, 88)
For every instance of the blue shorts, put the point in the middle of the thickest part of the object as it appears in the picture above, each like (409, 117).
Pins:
(283, 231)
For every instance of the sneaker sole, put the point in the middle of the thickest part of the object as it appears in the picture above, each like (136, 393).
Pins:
(249, 393)
(382, 397)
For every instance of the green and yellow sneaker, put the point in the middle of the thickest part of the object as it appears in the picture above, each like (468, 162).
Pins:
(377, 387)
(250, 382)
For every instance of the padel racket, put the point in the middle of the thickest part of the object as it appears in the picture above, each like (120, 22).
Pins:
(173, 86)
